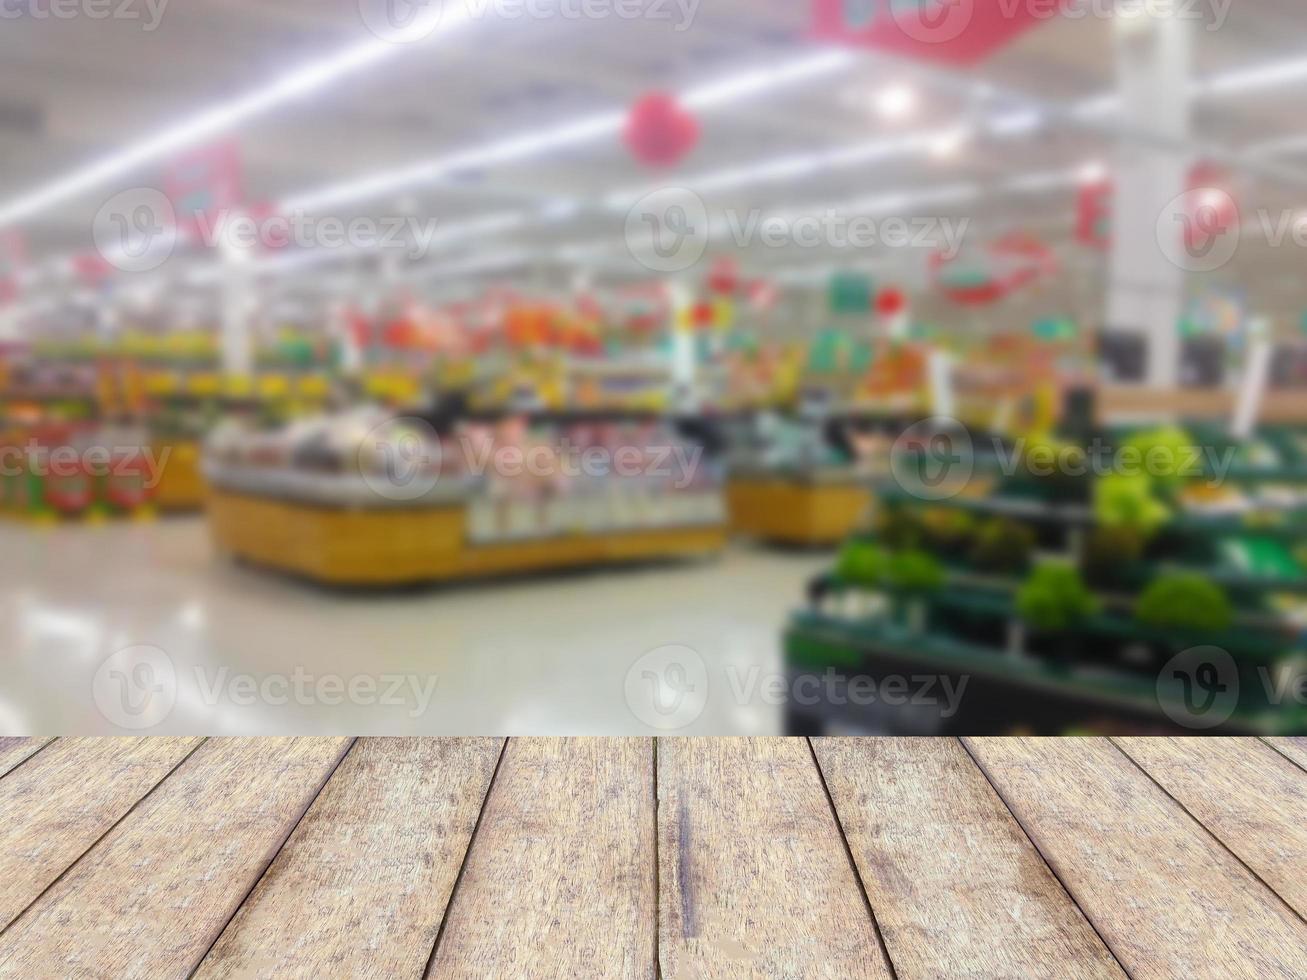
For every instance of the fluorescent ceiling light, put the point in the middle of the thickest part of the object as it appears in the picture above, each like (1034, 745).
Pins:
(766, 79)
(1250, 79)
(584, 130)
(225, 116)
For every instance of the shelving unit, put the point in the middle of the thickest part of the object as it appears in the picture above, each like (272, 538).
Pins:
(1104, 662)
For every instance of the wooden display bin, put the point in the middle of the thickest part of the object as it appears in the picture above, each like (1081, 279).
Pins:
(344, 546)
(789, 511)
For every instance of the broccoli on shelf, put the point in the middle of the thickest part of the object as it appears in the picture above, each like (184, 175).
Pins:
(1054, 599)
(1185, 601)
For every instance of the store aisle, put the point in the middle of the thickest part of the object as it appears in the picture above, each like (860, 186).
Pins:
(674, 648)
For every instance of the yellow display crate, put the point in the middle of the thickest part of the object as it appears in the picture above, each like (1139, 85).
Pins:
(180, 487)
(786, 511)
(398, 546)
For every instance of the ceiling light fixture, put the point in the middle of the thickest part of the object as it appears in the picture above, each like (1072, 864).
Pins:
(225, 116)
(536, 142)
(896, 102)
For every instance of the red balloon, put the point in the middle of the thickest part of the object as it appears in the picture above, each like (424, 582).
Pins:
(659, 132)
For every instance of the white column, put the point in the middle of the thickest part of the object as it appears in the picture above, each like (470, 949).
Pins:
(1154, 55)
(238, 303)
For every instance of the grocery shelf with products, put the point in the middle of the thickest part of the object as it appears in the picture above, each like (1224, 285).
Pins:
(1068, 598)
(364, 498)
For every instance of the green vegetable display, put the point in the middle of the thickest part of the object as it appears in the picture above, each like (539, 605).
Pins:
(1163, 455)
(1185, 601)
(1127, 501)
(1055, 599)
(861, 564)
(914, 573)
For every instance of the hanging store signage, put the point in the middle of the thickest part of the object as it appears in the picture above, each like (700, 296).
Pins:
(203, 184)
(957, 32)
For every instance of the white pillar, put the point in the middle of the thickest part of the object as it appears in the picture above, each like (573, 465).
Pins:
(1154, 55)
(237, 303)
(684, 356)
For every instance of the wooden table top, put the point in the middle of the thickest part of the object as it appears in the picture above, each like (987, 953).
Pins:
(679, 858)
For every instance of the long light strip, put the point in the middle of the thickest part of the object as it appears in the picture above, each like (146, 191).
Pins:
(1016, 122)
(226, 116)
(1242, 80)
(573, 133)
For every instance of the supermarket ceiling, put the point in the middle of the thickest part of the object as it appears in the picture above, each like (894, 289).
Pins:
(75, 92)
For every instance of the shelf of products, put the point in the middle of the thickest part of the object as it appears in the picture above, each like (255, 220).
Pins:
(362, 498)
(1068, 598)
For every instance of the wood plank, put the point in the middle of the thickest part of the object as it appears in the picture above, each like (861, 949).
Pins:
(559, 881)
(62, 801)
(1168, 899)
(14, 750)
(361, 886)
(151, 897)
(1293, 748)
(957, 887)
(1244, 792)
(754, 877)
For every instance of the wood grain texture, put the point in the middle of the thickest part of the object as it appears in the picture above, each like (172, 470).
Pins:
(559, 881)
(957, 887)
(754, 877)
(151, 897)
(62, 801)
(1293, 748)
(15, 749)
(1244, 792)
(1168, 899)
(361, 887)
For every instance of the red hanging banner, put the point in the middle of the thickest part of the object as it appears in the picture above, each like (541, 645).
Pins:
(202, 184)
(956, 32)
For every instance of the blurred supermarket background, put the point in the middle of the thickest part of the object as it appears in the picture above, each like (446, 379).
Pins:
(617, 366)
